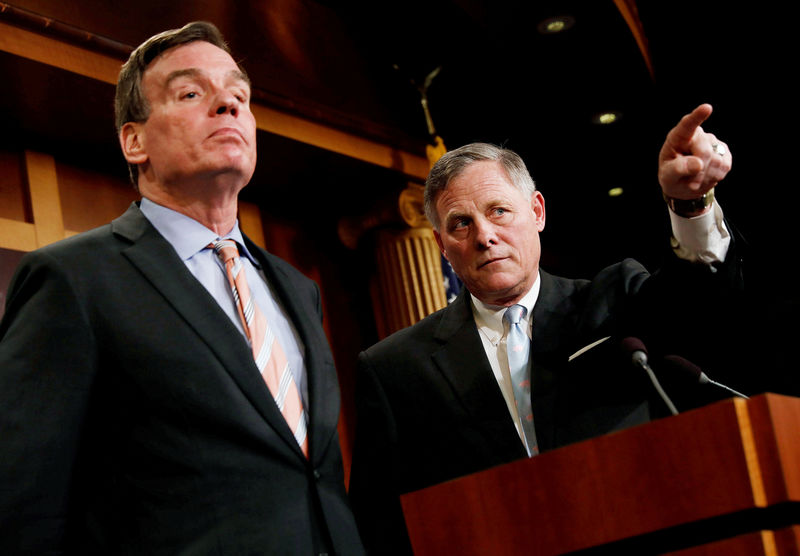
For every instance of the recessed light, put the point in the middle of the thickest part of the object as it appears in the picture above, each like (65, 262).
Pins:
(553, 25)
(606, 118)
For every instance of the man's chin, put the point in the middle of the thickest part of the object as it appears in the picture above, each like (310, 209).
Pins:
(497, 293)
(235, 169)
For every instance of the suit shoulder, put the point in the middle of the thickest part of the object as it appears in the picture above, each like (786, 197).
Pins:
(410, 339)
(84, 242)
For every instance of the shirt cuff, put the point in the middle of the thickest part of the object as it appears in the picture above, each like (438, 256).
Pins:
(704, 238)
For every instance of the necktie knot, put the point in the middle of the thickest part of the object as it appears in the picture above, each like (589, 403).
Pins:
(515, 314)
(225, 249)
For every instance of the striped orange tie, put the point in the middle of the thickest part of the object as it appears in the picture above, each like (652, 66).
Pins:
(267, 351)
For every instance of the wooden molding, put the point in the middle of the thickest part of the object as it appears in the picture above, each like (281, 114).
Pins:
(104, 68)
(58, 54)
(45, 200)
(631, 15)
(311, 133)
(20, 236)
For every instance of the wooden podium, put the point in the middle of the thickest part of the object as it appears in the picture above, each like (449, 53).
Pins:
(722, 479)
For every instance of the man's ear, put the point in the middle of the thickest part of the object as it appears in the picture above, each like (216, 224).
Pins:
(537, 207)
(438, 239)
(131, 137)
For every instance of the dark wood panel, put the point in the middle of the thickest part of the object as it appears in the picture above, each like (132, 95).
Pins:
(14, 199)
(90, 199)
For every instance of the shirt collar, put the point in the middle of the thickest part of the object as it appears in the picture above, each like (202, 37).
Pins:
(186, 235)
(491, 316)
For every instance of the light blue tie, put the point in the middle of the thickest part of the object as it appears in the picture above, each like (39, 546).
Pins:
(518, 347)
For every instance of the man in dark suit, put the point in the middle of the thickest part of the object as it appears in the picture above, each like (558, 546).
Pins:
(448, 396)
(134, 417)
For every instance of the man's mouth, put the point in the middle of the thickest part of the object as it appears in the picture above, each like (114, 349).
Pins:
(490, 261)
(228, 131)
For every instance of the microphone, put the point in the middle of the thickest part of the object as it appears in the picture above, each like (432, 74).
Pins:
(689, 368)
(638, 353)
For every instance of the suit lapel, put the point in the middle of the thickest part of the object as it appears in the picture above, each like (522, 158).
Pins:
(158, 262)
(323, 387)
(553, 332)
(463, 362)
(554, 310)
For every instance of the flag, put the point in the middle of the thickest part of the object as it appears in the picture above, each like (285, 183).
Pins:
(452, 285)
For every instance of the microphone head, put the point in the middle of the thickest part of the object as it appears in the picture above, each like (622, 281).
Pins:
(632, 345)
(634, 349)
(686, 367)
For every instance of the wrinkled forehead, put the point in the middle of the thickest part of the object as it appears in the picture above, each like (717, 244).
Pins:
(477, 175)
(197, 58)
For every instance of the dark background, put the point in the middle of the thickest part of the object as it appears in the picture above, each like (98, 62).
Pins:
(351, 65)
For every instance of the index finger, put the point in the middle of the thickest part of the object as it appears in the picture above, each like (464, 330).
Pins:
(682, 134)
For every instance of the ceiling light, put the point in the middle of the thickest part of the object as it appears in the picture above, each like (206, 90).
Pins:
(553, 25)
(606, 118)
(615, 192)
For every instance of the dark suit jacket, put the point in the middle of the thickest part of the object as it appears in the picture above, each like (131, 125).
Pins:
(430, 409)
(134, 420)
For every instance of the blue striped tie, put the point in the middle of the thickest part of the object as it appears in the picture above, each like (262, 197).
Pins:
(518, 347)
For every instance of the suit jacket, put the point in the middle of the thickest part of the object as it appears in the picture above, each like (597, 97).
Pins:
(134, 420)
(430, 409)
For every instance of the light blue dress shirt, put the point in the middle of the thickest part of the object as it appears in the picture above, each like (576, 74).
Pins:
(189, 238)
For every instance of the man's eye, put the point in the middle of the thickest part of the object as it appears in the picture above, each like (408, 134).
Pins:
(190, 94)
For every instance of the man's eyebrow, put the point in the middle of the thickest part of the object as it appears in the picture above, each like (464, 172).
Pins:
(188, 72)
(239, 76)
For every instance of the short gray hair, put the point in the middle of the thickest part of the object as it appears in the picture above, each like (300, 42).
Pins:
(453, 163)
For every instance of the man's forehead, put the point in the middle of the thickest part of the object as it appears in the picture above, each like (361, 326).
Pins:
(484, 177)
(482, 171)
(193, 58)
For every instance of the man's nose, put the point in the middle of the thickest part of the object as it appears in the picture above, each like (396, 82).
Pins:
(485, 235)
(225, 102)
